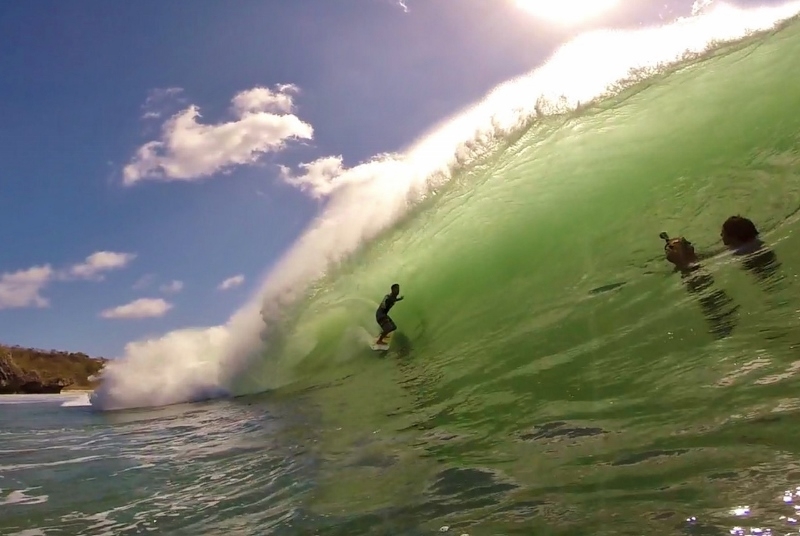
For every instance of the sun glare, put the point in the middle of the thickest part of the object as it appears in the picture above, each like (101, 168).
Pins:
(566, 11)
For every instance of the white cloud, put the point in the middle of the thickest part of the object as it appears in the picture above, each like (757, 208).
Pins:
(189, 150)
(261, 99)
(101, 261)
(141, 308)
(172, 288)
(22, 288)
(325, 175)
(231, 282)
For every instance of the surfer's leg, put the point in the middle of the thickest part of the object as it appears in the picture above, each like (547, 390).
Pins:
(387, 326)
(380, 319)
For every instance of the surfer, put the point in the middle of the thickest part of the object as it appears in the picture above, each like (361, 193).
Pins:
(382, 314)
(718, 307)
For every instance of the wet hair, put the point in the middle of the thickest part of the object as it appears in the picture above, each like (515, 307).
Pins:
(396, 286)
(740, 228)
(685, 243)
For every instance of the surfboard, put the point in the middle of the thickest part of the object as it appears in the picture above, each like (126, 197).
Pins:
(382, 347)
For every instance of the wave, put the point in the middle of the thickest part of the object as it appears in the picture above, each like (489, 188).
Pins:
(370, 198)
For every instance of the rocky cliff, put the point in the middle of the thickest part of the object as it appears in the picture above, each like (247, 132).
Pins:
(31, 371)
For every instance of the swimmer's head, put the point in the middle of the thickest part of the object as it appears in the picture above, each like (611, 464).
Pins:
(737, 231)
(680, 252)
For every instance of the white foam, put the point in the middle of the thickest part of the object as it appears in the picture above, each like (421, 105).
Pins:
(198, 363)
(19, 466)
(20, 497)
(77, 400)
(40, 399)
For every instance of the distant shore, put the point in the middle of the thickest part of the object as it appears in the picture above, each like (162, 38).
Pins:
(33, 371)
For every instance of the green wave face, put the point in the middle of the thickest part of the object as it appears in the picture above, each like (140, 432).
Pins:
(544, 342)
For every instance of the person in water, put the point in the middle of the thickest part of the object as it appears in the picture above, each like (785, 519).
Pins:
(741, 237)
(382, 314)
(717, 306)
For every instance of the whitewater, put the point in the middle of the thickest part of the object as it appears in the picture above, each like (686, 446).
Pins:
(365, 200)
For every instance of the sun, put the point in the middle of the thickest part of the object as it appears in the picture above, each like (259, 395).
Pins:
(566, 12)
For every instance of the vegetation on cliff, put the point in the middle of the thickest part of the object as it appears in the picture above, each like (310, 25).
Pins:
(29, 370)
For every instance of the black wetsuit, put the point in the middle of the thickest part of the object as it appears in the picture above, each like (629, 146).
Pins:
(382, 314)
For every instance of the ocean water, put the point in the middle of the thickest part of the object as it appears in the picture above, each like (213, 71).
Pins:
(550, 375)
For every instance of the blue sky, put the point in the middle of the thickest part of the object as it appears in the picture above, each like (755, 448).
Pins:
(93, 225)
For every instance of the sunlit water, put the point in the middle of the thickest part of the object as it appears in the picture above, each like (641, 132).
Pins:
(550, 376)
